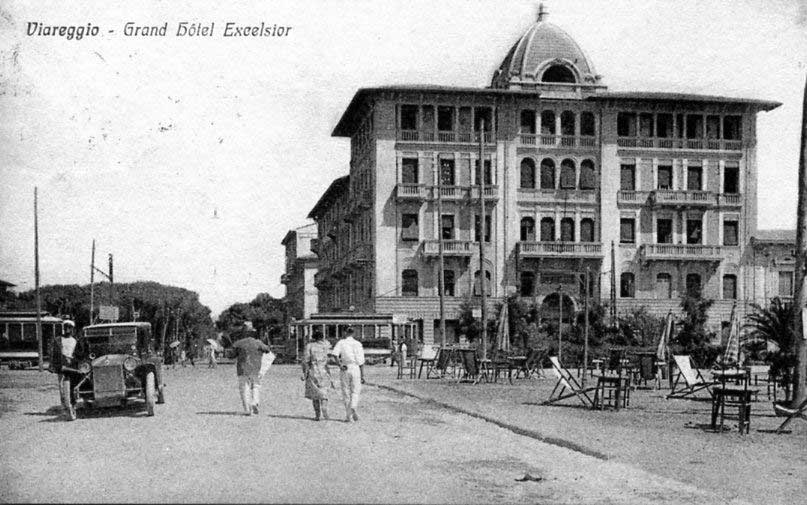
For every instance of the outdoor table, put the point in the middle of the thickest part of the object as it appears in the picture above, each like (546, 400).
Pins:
(517, 363)
(619, 385)
(733, 395)
(738, 375)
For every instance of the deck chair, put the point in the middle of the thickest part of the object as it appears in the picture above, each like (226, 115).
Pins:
(567, 381)
(693, 381)
(799, 413)
(470, 366)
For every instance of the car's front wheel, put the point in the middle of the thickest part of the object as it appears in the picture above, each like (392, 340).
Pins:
(151, 394)
(67, 399)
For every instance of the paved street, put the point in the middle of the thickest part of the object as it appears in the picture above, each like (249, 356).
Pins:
(198, 448)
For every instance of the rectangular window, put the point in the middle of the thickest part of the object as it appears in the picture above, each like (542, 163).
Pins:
(488, 173)
(627, 231)
(732, 128)
(448, 282)
(712, 127)
(409, 283)
(487, 228)
(464, 120)
(447, 226)
(694, 126)
(694, 178)
(664, 126)
(483, 114)
(627, 177)
(409, 171)
(409, 227)
(679, 128)
(694, 231)
(785, 283)
(730, 233)
(547, 122)
(729, 287)
(428, 118)
(447, 172)
(409, 117)
(445, 119)
(645, 125)
(731, 180)
(664, 231)
(587, 124)
(528, 121)
(665, 176)
(626, 124)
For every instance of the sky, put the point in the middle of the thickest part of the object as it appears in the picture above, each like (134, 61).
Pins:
(189, 158)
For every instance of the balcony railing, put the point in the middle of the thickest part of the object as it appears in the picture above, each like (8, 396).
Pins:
(632, 197)
(450, 247)
(549, 140)
(672, 143)
(683, 198)
(491, 193)
(690, 252)
(560, 249)
(455, 193)
(443, 136)
(729, 199)
(558, 195)
(407, 191)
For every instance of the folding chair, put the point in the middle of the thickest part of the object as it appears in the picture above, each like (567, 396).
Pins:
(470, 366)
(693, 380)
(800, 413)
(427, 359)
(535, 363)
(567, 381)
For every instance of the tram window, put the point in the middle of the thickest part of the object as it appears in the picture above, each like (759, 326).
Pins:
(29, 332)
(14, 332)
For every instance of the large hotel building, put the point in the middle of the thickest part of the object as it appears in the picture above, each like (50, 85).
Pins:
(657, 191)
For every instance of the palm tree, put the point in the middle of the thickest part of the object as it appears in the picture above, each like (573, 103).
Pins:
(773, 325)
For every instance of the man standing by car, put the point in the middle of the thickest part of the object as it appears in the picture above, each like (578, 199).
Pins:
(350, 354)
(248, 354)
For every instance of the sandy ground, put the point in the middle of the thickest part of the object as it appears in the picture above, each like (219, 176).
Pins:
(670, 438)
(404, 450)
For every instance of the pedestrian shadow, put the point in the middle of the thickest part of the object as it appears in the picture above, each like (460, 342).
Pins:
(55, 413)
(219, 413)
(286, 416)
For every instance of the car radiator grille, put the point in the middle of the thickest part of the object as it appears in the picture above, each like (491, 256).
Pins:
(108, 381)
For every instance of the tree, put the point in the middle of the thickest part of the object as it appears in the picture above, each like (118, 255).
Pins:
(773, 324)
(692, 337)
(640, 327)
(267, 315)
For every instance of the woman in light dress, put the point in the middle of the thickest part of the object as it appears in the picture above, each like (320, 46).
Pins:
(317, 375)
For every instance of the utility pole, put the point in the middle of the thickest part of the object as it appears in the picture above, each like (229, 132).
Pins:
(111, 283)
(560, 321)
(613, 287)
(585, 328)
(36, 280)
(441, 260)
(92, 281)
(799, 392)
(482, 274)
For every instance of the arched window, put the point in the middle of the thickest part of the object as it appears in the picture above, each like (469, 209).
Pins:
(547, 229)
(627, 287)
(558, 73)
(547, 122)
(527, 284)
(694, 285)
(409, 283)
(547, 174)
(586, 230)
(527, 173)
(567, 121)
(588, 178)
(567, 174)
(587, 124)
(477, 287)
(664, 286)
(527, 229)
(528, 121)
(567, 229)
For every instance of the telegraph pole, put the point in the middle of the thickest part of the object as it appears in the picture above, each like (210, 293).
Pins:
(111, 283)
(800, 345)
(441, 281)
(585, 328)
(36, 280)
(560, 321)
(92, 281)
(482, 274)
(613, 286)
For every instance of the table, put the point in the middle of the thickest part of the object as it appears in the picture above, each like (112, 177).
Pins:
(619, 385)
(517, 363)
(732, 395)
(738, 375)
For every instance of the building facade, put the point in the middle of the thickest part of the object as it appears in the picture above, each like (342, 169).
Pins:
(654, 194)
(301, 267)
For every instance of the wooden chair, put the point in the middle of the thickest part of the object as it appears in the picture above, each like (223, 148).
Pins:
(567, 381)
(693, 381)
(427, 358)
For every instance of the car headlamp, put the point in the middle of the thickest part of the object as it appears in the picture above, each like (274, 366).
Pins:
(130, 363)
(84, 367)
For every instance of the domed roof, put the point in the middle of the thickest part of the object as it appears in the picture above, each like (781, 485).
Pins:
(544, 54)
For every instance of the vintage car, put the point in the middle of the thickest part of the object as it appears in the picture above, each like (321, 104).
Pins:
(113, 364)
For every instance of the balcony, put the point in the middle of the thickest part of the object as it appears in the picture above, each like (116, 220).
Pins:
(560, 196)
(671, 143)
(443, 137)
(410, 192)
(450, 193)
(560, 250)
(285, 278)
(491, 193)
(729, 199)
(452, 248)
(561, 141)
(676, 198)
(360, 255)
(632, 197)
(681, 252)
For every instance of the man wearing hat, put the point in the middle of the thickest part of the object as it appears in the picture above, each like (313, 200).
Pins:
(248, 354)
(350, 355)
